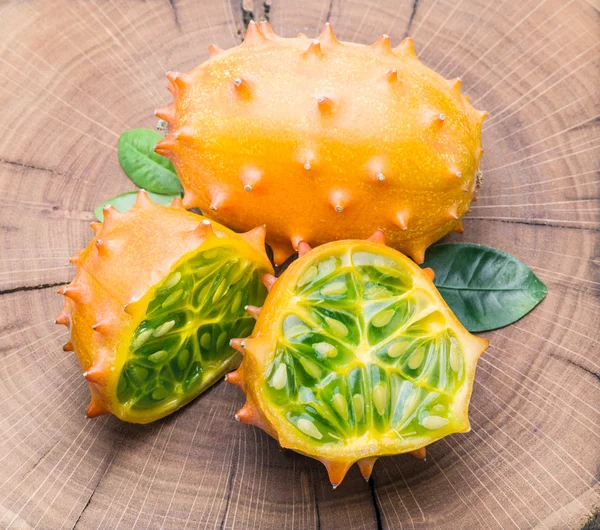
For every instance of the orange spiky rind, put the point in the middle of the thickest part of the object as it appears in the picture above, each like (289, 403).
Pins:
(406, 47)
(429, 273)
(419, 138)
(254, 35)
(261, 370)
(131, 258)
(420, 453)
(96, 408)
(267, 30)
(383, 45)
(366, 467)
(377, 237)
(268, 281)
(314, 50)
(253, 311)
(327, 36)
(214, 50)
(256, 237)
(303, 248)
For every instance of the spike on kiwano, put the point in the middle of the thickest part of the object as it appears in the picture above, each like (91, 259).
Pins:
(324, 140)
(157, 296)
(354, 356)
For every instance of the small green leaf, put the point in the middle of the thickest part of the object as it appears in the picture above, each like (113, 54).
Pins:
(485, 287)
(127, 200)
(147, 169)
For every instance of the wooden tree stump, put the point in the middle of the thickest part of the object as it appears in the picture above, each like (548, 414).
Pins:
(77, 74)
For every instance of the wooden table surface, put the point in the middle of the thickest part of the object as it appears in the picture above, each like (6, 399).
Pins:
(77, 74)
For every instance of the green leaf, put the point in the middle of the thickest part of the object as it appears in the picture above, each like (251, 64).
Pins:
(485, 287)
(127, 200)
(147, 169)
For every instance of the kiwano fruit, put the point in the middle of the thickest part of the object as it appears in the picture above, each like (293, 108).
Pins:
(354, 356)
(324, 140)
(157, 296)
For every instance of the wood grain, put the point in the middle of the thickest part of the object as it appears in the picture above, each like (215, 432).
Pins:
(76, 74)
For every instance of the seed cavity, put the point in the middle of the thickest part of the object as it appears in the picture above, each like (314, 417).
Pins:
(396, 349)
(334, 289)
(172, 298)
(139, 374)
(172, 281)
(337, 327)
(308, 276)
(454, 356)
(310, 367)
(164, 328)
(279, 379)
(296, 331)
(341, 406)
(308, 428)
(358, 403)
(376, 292)
(220, 291)
(327, 267)
(205, 340)
(379, 398)
(183, 359)
(237, 301)
(383, 318)
(160, 393)
(325, 349)
(434, 422)
(416, 358)
(222, 340)
(305, 394)
(139, 341)
(158, 356)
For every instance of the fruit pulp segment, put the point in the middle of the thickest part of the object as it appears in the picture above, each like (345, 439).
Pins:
(364, 350)
(182, 343)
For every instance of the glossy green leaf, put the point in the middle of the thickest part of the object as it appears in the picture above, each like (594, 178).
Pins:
(485, 287)
(147, 169)
(127, 200)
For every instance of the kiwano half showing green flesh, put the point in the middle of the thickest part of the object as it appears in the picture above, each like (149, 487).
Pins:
(355, 355)
(158, 295)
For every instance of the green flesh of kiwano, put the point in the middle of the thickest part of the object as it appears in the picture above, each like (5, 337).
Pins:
(363, 351)
(182, 345)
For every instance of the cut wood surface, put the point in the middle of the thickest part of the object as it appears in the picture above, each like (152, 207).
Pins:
(77, 74)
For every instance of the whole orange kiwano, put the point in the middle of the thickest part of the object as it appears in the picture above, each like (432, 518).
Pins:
(354, 356)
(323, 140)
(157, 296)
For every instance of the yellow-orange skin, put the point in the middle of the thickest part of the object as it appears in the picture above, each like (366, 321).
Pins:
(260, 348)
(130, 253)
(310, 126)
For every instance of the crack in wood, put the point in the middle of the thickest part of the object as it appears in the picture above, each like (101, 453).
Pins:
(230, 483)
(175, 14)
(267, 9)
(411, 19)
(247, 15)
(31, 287)
(123, 430)
(534, 223)
(30, 166)
(587, 370)
(84, 509)
(317, 508)
(376, 506)
(328, 16)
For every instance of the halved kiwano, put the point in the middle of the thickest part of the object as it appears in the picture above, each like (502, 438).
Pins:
(157, 297)
(355, 355)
